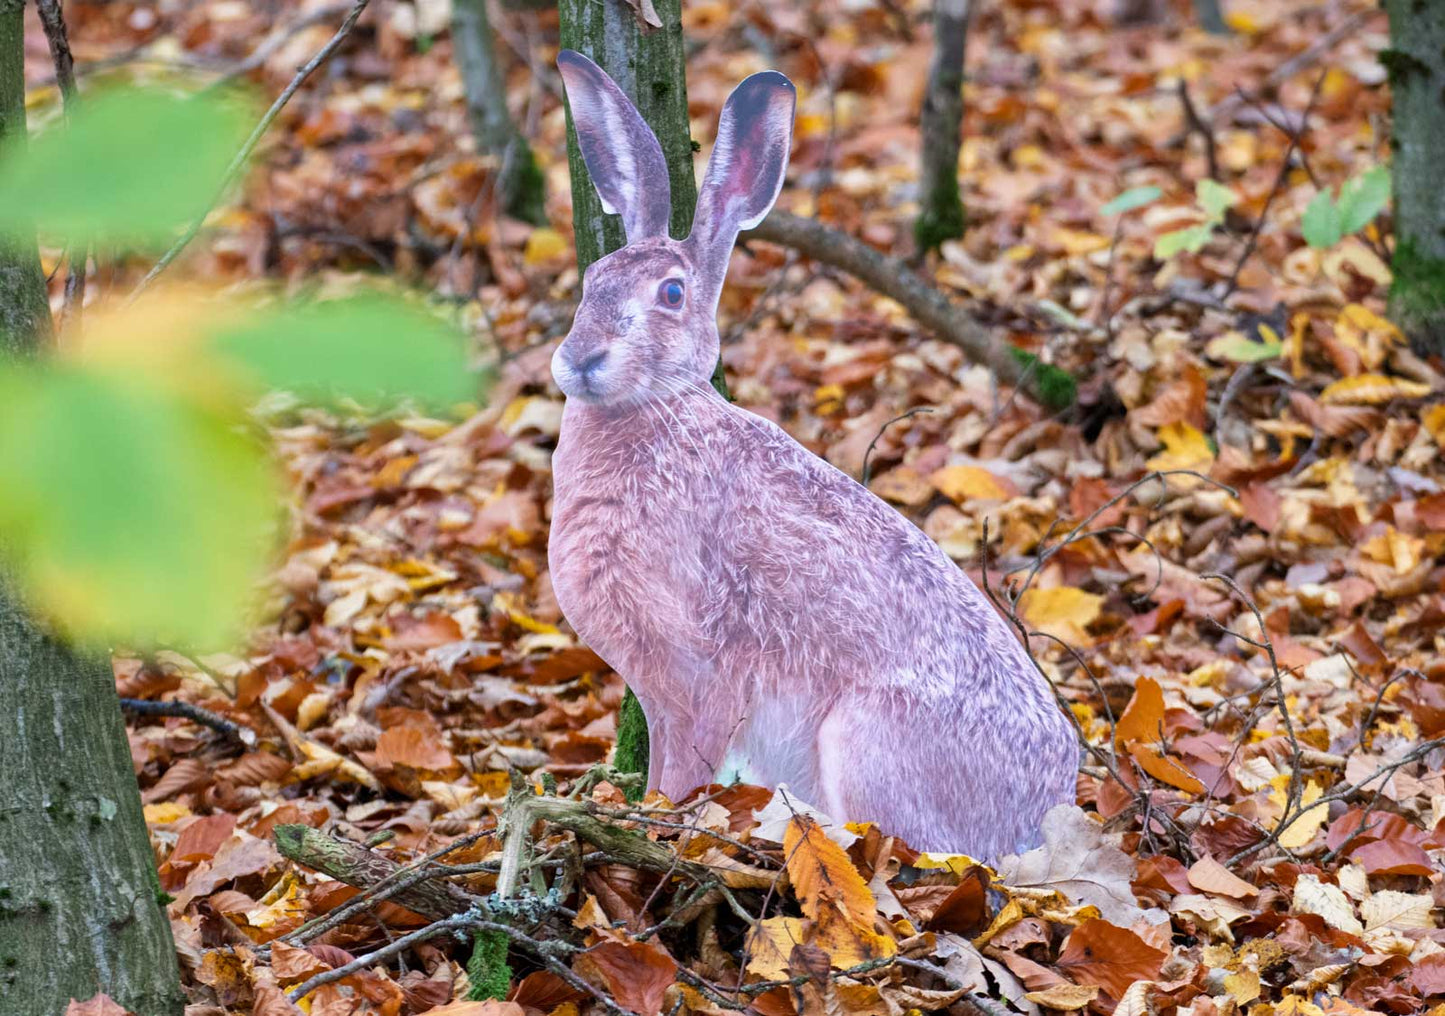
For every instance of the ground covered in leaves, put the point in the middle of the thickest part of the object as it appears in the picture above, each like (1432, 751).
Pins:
(1249, 644)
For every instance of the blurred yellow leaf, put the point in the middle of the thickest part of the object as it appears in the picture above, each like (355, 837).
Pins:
(543, 245)
(1371, 390)
(1185, 447)
(970, 483)
(1063, 612)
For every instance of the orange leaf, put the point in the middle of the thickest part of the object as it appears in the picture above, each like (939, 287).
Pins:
(1143, 718)
(1110, 956)
(101, 1005)
(1209, 876)
(823, 876)
(1165, 768)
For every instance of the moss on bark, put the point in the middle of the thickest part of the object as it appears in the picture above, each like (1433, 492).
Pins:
(1416, 63)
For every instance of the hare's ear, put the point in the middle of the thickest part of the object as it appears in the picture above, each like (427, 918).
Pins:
(745, 172)
(622, 154)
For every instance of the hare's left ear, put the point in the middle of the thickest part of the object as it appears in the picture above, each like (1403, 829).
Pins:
(746, 170)
(622, 154)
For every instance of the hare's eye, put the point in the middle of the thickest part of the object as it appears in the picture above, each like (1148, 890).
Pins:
(669, 294)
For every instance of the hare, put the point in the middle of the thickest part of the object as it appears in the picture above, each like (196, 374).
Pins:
(779, 623)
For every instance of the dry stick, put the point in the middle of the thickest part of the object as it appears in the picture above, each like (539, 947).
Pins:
(868, 455)
(893, 278)
(1198, 126)
(272, 44)
(186, 711)
(1279, 181)
(237, 163)
(52, 19)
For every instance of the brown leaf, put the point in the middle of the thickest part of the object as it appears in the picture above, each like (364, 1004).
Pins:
(98, 1005)
(1101, 953)
(490, 1007)
(1143, 718)
(637, 974)
(292, 965)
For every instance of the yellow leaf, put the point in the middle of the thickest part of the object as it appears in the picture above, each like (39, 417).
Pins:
(823, 876)
(1434, 421)
(770, 944)
(543, 245)
(1185, 447)
(848, 943)
(165, 812)
(1065, 997)
(970, 483)
(1371, 390)
(1303, 829)
(1243, 986)
(1062, 612)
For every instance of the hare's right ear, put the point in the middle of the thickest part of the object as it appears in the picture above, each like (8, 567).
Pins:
(622, 154)
(745, 173)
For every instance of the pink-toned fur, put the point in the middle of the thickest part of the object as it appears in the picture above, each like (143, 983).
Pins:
(778, 622)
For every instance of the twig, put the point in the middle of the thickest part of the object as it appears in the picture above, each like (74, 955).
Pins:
(52, 19)
(867, 455)
(272, 44)
(456, 923)
(1279, 181)
(1198, 126)
(893, 278)
(241, 157)
(186, 711)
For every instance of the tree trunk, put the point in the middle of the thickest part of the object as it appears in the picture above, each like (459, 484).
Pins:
(649, 67)
(81, 910)
(1416, 65)
(80, 905)
(940, 216)
(24, 306)
(519, 180)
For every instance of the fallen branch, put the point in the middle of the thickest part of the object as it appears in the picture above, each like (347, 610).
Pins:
(239, 161)
(365, 869)
(186, 711)
(893, 278)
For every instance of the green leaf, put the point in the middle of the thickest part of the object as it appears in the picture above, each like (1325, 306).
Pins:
(1363, 198)
(1134, 197)
(1320, 225)
(134, 515)
(1191, 238)
(368, 348)
(1239, 348)
(1214, 198)
(131, 165)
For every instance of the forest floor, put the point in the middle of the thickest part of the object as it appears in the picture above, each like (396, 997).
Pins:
(1262, 812)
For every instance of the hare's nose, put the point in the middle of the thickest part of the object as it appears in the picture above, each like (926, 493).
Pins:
(589, 363)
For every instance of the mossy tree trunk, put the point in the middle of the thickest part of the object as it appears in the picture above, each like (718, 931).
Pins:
(484, 82)
(1416, 64)
(80, 909)
(940, 214)
(650, 68)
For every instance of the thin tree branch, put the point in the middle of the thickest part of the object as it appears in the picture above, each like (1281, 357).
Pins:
(52, 19)
(242, 156)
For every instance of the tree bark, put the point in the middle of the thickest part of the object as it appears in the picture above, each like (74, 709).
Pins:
(1416, 65)
(24, 305)
(649, 67)
(519, 180)
(81, 908)
(940, 215)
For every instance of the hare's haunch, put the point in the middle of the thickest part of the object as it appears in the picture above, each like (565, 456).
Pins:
(778, 622)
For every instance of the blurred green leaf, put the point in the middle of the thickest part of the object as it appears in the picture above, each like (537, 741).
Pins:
(1191, 238)
(1363, 198)
(1240, 348)
(1134, 197)
(134, 514)
(1320, 225)
(370, 347)
(1214, 198)
(131, 165)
